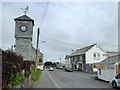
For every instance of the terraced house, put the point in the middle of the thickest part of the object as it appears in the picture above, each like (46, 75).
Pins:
(83, 59)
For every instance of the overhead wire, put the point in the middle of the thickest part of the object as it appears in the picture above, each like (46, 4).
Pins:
(44, 14)
(50, 39)
(58, 41)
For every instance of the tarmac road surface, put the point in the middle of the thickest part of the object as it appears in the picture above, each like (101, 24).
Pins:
(62, 79)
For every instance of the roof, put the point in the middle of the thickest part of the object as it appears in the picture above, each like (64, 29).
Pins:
(37, 51)
(110, 60)
(82, 50)
(110, 53)
(24, 18)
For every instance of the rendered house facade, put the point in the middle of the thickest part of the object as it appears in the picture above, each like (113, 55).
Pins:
(83, 59)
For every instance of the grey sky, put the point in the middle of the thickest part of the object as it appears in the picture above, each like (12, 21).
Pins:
(65, 26)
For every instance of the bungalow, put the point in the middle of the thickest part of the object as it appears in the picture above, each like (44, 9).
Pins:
(83, 59)
(108, 68)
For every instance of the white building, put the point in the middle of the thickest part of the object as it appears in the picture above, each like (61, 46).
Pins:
(83, 59)
(67, 61)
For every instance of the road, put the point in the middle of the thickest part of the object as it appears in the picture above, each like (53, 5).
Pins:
(62, 79)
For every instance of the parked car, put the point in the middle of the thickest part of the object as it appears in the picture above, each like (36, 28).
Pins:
(61, 67)
(40, 67)
(68, 70)
(57, 67)
(51, 69)
(116, 81)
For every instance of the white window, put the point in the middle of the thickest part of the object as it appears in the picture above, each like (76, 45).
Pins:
(98, 56)
(94, 55)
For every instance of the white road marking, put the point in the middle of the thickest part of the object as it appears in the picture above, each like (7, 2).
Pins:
(53, 80)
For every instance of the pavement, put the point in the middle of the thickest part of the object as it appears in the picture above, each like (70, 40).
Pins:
(44, 82)
(62, 79)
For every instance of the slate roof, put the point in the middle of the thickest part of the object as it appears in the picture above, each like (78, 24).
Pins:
(110, 53)
(24, 18)
(37, 51)
(82, 50)
(110, 60)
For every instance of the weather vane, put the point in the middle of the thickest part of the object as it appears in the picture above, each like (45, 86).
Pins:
(25, 10)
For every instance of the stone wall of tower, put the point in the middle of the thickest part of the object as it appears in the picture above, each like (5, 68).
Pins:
(23, 47)
(23, 39)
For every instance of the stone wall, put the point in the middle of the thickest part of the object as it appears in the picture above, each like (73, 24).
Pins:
(23, 47)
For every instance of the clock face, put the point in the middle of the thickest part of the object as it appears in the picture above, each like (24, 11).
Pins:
(23, 28)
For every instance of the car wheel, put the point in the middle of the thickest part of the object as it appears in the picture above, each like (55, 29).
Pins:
(114, 85)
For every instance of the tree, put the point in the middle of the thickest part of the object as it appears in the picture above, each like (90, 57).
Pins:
(48, 64)
(54, 64)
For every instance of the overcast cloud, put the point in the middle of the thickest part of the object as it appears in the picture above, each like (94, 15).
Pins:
(65, 26)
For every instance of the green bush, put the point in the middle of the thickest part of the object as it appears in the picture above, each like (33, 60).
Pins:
(18, 78)
(35, 75)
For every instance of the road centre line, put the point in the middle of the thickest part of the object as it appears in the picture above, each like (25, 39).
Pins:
(53, 80)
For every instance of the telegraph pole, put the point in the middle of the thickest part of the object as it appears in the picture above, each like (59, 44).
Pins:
(60, 61)
(38, 33)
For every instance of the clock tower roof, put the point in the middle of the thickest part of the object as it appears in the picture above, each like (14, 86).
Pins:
(24, 18)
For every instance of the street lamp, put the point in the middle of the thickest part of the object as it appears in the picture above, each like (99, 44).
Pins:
(42, 42)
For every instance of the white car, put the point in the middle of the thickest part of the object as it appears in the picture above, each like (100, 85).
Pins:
(116, 81)
(51, 69)
(40, 67)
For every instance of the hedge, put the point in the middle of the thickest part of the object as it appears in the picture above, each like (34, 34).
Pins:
(12, 68)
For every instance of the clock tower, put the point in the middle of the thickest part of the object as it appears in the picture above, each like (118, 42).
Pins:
(23, 35)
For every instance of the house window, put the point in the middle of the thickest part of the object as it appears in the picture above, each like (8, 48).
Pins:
(94, 55)
(73, 59)
(78, 58)
(40, 60)
(98, 56)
